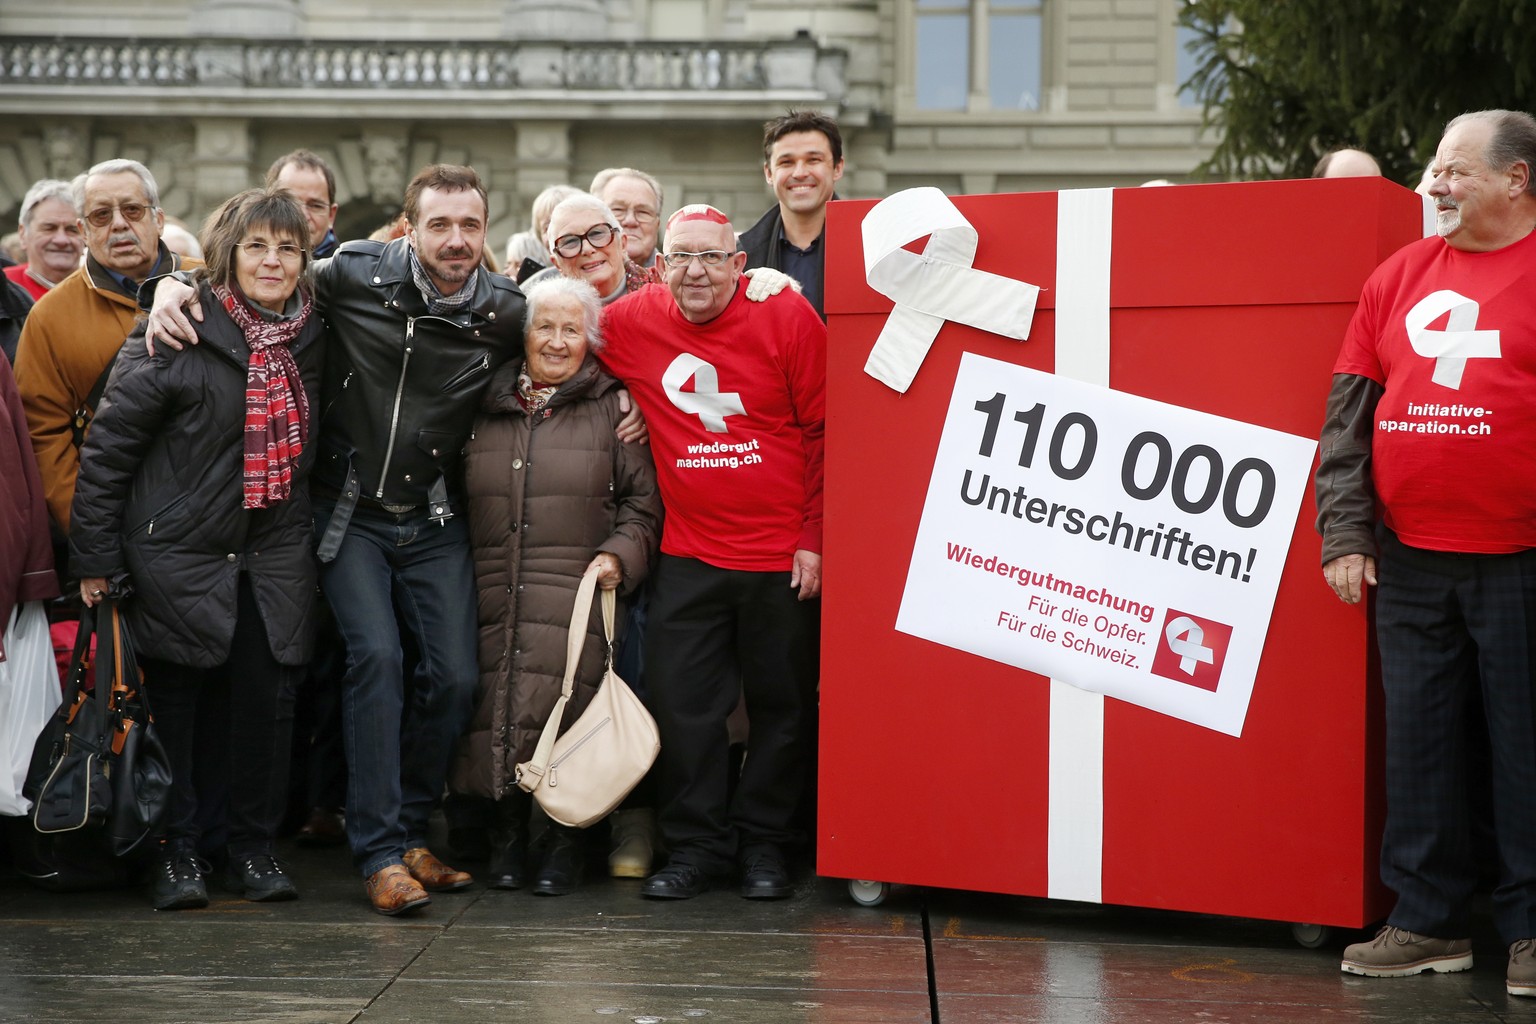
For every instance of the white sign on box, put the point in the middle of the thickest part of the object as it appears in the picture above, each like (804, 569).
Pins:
(1123, 545)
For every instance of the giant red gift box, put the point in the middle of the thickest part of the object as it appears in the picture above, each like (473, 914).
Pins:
(1229, 299)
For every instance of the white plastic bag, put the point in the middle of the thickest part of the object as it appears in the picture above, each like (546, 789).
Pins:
(29, 693)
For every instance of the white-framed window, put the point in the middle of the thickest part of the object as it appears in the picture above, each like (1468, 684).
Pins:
(977, 55)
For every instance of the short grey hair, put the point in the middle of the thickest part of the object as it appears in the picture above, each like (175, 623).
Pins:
(558, 286)
(1513, 140)
(151, 190)
(41, 191)
(576, 203)
(606, 175)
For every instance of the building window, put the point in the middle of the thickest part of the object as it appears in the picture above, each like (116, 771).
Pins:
(1184, 64)
(979, 54)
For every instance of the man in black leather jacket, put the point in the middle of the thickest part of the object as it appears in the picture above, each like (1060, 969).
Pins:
(417, 328)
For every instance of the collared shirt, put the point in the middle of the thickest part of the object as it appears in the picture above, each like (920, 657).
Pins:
(804, 265)
(327, 245)
(127, 284)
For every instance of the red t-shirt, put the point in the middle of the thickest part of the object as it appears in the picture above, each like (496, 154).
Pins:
(736, 410)
(19, 274)
(1451, 335)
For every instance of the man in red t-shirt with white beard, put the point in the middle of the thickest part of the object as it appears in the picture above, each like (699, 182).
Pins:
(1427, 490)
(734, 394)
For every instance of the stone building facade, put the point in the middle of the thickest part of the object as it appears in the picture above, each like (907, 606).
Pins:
(969, 95)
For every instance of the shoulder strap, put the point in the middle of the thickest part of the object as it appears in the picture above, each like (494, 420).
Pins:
(532, 771)
(87, 410)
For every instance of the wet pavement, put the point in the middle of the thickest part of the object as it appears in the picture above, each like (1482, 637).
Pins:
(605, 954)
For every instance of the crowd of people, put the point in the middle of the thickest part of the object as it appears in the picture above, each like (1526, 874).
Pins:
(386, 447)
(390, 442)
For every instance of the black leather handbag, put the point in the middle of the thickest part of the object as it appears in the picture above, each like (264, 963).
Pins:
(98, 769)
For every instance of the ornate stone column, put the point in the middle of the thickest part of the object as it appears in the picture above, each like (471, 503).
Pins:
(543, 159)
(221, 162)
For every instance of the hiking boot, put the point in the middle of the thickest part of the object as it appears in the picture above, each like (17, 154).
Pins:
(176, 880)
(1520, 979)
(631, 843)
(1397, 953)
(259, 878)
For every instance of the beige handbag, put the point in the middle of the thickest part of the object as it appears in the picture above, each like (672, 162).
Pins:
(581, 776)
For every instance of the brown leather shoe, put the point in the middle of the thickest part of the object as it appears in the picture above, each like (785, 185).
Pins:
(433, 874)
(323, 827)
(393, 891)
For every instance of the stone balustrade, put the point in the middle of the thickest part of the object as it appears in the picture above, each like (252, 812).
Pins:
(181, 64)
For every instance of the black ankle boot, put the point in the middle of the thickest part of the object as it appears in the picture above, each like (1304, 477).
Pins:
(561, 870)
(509, 845)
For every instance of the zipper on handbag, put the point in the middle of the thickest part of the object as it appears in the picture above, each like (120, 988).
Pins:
(599, 727)
(53, 775)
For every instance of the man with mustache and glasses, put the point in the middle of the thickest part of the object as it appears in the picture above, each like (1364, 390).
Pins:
(1425, 491)
(75, 330)
(418, 327)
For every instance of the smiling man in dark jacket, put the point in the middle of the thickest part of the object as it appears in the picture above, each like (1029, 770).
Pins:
(802, 161)
(418, 327)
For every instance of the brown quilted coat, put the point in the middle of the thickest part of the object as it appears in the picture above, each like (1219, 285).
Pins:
(546, 494)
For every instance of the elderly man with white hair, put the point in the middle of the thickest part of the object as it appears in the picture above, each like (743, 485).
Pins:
(50, 234)
(1425, 491)
(734, 392)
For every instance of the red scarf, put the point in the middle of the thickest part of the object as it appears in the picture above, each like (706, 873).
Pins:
(276, 405)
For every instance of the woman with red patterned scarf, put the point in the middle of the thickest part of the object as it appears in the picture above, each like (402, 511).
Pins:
(193, 499)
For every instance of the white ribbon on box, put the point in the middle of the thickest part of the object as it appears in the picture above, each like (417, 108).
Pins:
(938, 285)
(1075, 787)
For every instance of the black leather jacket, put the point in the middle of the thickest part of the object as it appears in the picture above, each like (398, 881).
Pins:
(402, 386)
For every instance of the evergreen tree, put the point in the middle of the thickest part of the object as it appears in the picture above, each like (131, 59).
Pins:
(1288, 80)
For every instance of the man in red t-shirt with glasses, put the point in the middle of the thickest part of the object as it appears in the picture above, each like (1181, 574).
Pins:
(1427, 490)
(734, 394)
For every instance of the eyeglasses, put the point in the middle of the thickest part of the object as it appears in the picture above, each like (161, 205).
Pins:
(132, 212)
(598, 235)
(258, 251)
(641, 214)
(710, 258)
(316, 206)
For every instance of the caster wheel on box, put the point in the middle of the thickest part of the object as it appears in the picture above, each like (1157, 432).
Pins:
(1311, 936)
(868, 894)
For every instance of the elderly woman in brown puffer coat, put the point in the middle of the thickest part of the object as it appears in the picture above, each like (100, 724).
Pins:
(551, 490)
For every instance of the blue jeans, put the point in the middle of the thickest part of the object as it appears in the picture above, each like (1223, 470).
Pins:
(395, 572)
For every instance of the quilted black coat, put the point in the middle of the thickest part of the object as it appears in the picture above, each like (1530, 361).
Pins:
(159, 496)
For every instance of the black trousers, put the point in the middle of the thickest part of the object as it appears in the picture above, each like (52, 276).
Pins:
(712, 635)
(245, 708)
(1444, 623)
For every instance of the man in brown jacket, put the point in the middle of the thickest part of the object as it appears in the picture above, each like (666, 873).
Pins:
(76, 329)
